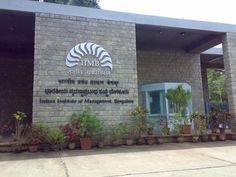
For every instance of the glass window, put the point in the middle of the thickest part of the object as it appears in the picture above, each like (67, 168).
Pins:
(157, 102)
(155, 107)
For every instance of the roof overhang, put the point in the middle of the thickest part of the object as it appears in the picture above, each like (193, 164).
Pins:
(34, 6)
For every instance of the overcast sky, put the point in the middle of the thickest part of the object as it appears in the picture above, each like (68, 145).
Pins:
(223, 11)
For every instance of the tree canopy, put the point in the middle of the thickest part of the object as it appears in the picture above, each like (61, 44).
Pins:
(84, 3)
(216, 85)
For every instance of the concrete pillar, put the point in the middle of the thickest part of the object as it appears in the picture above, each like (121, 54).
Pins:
(229, 51)
(205, 84)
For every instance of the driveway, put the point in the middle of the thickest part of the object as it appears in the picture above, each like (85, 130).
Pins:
(164, 160)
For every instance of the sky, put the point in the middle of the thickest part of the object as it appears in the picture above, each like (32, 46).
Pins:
(223, 11)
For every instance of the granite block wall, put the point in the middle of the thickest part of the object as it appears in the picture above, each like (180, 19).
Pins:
(229, 54)
(60, 90)
(170, 65)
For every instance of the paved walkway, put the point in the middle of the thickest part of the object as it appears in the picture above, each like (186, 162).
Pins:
(211, 159)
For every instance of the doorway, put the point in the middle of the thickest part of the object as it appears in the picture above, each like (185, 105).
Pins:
(16, 67)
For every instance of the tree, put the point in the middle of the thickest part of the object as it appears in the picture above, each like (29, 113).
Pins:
(216, 85)
(179, 98)
(84, 3)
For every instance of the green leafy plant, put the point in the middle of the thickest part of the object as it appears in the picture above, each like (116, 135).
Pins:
(165, 131)
(119, 131)
(177, 119)
(199, 120)
(139, 114)
(179, 97)
(56, 136)
(19, 132)
(85, 124)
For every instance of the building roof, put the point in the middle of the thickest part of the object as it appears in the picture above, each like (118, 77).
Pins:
(34, 6)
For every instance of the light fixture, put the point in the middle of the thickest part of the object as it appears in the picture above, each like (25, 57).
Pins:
(183, 33)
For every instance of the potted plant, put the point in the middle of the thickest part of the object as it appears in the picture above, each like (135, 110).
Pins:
(165, 131)
(119, 132)
(70, 135)
(214, 120)
(197, 118)
(177, 119)
(202, 128)
(86, 126)
(101, 136)
(19, 131)
(179, 98)
(224, 122)
(140, 122)
(56, 138)
(34, 137)
(130, 140)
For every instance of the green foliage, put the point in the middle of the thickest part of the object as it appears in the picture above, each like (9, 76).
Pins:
(165, 131)
(216, 85)
(199, 120)
(85, 124)
(56, 136)
(177, 121)
(19, 116)
(119, 131)
(84, 3)
(179, 97)
(139, 114)
(196, 115)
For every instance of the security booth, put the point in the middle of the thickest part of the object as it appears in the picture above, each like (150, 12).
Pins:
(160, 110)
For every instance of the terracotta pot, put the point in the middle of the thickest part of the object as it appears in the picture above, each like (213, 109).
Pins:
(16, 148)
(222, 137)
(100, 144)
(195, 138)
(149, 131)
(213, 137)
(222, 130)
(71, 145)
(214, 130)
(204, 138)
(233, 136)
(140, 141)
(160, 140)
(85, 143)
(33, 147)
(129, 142)
(186, 129)
(150, 140)
(180, 139)
(46, 147)
(55, 147)
(116, 142)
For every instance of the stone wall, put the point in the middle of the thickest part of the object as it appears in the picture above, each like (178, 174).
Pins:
(229, 50)
(55, 36)
(165, 65)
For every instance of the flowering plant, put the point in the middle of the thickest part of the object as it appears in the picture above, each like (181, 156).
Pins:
(69, 132)
(19, 116)
(34, 135)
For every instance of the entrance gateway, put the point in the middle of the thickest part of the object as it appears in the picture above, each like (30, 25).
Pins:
(68, 58)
